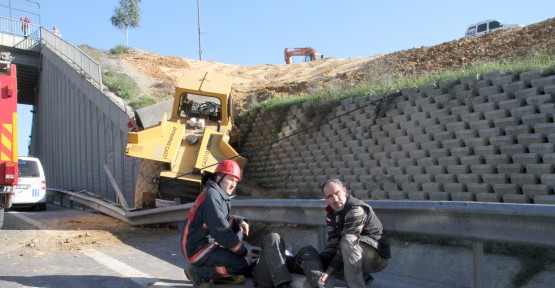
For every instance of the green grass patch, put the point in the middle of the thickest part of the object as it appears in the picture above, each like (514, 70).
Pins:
(121, 84)
(321, 103)
(127, 89)
(119, 50)
(142, 101)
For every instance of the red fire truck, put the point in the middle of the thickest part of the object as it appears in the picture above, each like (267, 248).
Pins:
(8, 131)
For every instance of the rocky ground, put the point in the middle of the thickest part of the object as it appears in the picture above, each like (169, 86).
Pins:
(79, 231)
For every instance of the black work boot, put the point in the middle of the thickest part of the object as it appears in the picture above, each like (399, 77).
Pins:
(195, 278)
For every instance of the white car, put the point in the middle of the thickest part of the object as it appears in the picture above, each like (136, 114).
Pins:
(486, 26)
(31, 187)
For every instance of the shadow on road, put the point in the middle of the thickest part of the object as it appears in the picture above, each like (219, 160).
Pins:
(85, 281)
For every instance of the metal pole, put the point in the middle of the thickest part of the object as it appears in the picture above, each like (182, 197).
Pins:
(199, 45)
(121, 198)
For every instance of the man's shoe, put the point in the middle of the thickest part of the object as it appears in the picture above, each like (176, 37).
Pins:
(231, 280)
(195, 277)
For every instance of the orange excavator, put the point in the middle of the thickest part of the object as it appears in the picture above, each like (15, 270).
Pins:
(309, 54)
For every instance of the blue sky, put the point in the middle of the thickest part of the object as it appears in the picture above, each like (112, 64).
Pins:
(255, 32)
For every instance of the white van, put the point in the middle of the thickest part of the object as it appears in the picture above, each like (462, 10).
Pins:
(31, 187)
(486, 26)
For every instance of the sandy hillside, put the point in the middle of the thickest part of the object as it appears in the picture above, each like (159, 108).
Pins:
(260, 82)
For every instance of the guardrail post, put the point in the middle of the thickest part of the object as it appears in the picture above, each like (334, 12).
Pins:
(478, 247)
(180, 224)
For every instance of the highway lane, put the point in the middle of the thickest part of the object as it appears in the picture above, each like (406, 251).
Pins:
(63, 247)
(39, 250)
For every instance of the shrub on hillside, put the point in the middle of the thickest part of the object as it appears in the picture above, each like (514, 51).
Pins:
(122, 85)
(119, 49)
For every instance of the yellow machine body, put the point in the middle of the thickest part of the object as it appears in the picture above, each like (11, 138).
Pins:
(194, 139)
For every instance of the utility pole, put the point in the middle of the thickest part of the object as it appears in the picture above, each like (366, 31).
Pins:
(199, 45)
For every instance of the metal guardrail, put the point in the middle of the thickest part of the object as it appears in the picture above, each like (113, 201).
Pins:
(14, 34)
(497, 222)
(18, 35)
(19, 28)
(74, 55)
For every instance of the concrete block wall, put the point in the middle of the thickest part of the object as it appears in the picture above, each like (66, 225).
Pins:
(487, 138)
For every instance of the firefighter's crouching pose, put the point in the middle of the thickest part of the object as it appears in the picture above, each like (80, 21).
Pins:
(210, 241)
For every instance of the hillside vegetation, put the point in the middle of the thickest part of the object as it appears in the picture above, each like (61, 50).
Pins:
(157, 74)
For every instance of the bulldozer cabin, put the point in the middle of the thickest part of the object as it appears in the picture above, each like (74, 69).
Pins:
(182, 151)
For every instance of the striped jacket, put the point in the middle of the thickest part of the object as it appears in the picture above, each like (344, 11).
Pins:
(209, 224)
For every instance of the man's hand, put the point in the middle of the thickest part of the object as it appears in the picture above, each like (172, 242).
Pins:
(244, 226)
(326, 275)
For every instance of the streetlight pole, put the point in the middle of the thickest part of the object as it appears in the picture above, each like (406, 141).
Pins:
(199, 45)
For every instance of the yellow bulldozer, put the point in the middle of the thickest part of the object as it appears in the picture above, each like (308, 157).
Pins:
(182, 150)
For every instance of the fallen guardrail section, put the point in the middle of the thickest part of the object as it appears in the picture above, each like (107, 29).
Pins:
(530, 224)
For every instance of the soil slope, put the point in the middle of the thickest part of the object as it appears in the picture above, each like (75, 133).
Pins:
(257, 83)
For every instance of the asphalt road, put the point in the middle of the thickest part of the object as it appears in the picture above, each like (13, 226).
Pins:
(141, 261)
(34, 252)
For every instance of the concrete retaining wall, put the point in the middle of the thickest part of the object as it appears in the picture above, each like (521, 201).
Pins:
(488, 138)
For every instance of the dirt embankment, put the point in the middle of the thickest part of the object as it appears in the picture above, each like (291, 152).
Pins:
(257, 83)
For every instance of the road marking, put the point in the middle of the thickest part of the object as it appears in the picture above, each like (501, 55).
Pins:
(119, 267)
(29, 220)
(125, 270)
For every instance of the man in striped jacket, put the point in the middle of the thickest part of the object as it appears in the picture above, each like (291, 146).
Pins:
(211, 241)
(355, 243)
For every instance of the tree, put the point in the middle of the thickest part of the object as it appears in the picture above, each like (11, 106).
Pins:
(127, 15)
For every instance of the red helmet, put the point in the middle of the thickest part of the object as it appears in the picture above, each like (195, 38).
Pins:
(229, 167)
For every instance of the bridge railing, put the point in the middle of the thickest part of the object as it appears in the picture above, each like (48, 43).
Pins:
(20, 35)
(74, 55)
(27, 36)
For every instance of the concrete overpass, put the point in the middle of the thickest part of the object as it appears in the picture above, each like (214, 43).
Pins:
(76, 127)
